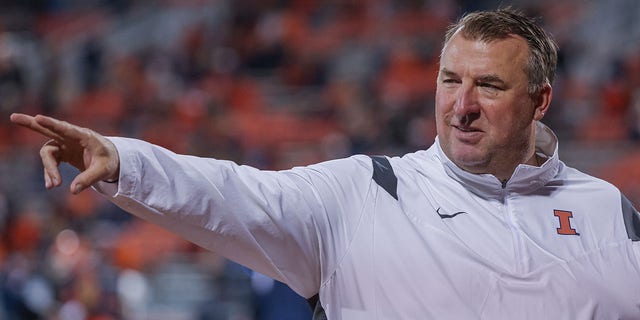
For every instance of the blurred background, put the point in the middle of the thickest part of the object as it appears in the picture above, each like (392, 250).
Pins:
(272, 84)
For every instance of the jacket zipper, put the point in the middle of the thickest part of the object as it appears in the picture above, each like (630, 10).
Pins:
(515, 229)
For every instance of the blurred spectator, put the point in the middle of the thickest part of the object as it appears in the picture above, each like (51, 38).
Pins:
(12, 78)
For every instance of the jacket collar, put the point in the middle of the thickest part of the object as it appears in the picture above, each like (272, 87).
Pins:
(525, 178)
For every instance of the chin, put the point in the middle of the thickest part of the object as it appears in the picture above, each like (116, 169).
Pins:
(473, 162)
(475, 166)
(465, 155)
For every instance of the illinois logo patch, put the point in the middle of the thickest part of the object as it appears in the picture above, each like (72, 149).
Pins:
(565, 222)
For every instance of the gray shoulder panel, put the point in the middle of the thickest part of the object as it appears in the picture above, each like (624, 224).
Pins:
(631, 219)
(384, 176)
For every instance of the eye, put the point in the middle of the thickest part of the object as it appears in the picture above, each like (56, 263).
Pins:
(489, 86)
(450, 81)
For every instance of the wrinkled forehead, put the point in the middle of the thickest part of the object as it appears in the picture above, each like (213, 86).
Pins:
(506, 57)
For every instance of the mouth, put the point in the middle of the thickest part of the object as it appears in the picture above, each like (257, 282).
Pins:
(467, 129)
(467, 135)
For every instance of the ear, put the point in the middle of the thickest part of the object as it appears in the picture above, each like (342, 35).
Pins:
(542, 102)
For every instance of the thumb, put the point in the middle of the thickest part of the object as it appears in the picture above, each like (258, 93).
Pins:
(84, 179)
(101, 162)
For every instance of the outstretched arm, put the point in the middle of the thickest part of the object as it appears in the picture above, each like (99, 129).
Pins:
(95, 156)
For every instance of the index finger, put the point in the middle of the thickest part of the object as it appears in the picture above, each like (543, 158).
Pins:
(30, 122)
(61, 128)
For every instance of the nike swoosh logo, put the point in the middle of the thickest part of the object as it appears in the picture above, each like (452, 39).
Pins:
(447, 216)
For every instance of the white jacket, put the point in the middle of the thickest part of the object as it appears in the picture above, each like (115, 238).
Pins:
(420, 240)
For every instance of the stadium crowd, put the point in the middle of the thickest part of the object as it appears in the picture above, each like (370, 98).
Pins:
(272, 84)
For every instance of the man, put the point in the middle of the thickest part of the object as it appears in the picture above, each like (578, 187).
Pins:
(488, 223)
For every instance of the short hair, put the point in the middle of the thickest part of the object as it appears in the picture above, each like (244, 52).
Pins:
(502, 23)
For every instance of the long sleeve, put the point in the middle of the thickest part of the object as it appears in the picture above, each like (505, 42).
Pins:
(292, 225)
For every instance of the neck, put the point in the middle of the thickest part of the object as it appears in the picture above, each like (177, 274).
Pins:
(509, 166)
(525, 153)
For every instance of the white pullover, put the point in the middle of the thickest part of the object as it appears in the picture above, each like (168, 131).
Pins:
(417, 239)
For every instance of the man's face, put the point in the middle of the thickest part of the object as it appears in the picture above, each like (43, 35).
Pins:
(484, 113)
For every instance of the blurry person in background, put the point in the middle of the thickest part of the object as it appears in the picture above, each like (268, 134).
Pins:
(12, 80)
(486, 223)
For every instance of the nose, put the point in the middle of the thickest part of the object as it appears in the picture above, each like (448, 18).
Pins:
(466, 107)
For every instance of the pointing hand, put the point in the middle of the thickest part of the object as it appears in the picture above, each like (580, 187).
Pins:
(95, 156)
